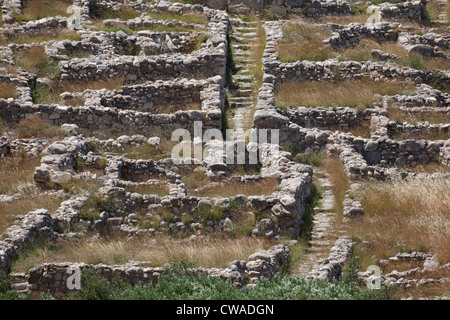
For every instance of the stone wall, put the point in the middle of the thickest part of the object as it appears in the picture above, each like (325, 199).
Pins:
(341, 117)
(52, 277)
(350, 35)
(308, 8)
(102, 118)
(408, 10)
(167, 96)
(331, 267)
(282, 210)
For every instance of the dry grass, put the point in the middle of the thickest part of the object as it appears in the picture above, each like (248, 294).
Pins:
(428, 135)
(35, 60)
(38, 9)
(12, 69)
(113, 83)
(208, 252)
(339, 180)
(55, 34)
(99, 26)
(82, 186)
(430, 64)
(34, 127)
(353, 93)
(7, 90)
(362, 52)
(396, 114)
(161, 189)
(9, 210)
(195, 179)
(123, 13)
(188, 17)
(227, 189)
(433, 10)
(404, 217)
(16, 172)
(304, 42)
(343, 20)
(16, 177)
(362, 130)
(428, 168)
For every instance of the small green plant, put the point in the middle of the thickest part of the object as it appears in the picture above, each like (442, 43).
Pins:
(312, 159)
(179, 282)
(207, 213)
(167, 215)
(311, 202)
(6, 291)
(46, 93)
(94, 205)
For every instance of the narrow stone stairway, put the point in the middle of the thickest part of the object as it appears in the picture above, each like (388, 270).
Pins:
(240, 96)
(324, 232)
(443, 16)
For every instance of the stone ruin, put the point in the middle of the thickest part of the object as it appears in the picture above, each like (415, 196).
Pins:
(171, 79)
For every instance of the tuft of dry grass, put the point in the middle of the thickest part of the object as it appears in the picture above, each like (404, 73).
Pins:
(304, 42)
(35, 60)
(160, 188)
(9, 210)
(339, 180)
(352, 93)
(123, 13)
(34, 127)
(428, 168)
(343, 19)
(428, 135)
(12, 69)
(396, 114)
(402, 217)
(16, 177)
(195, 179)
(55, 34)
(362, 130)
(7, 90)
(208, 252)
(82, 185)
(113, 83)
(362, 51)
(16, 172)
(227, 189)
(188, 17)
(38, 9)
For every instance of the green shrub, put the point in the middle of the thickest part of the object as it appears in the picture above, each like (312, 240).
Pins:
(94, 205)
(311, 202)
(312, 159)
(179, 283)
(6, 291)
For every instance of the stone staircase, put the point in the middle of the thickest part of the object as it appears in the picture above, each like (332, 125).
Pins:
(443, 15)
(324, 232)
(240, 95)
